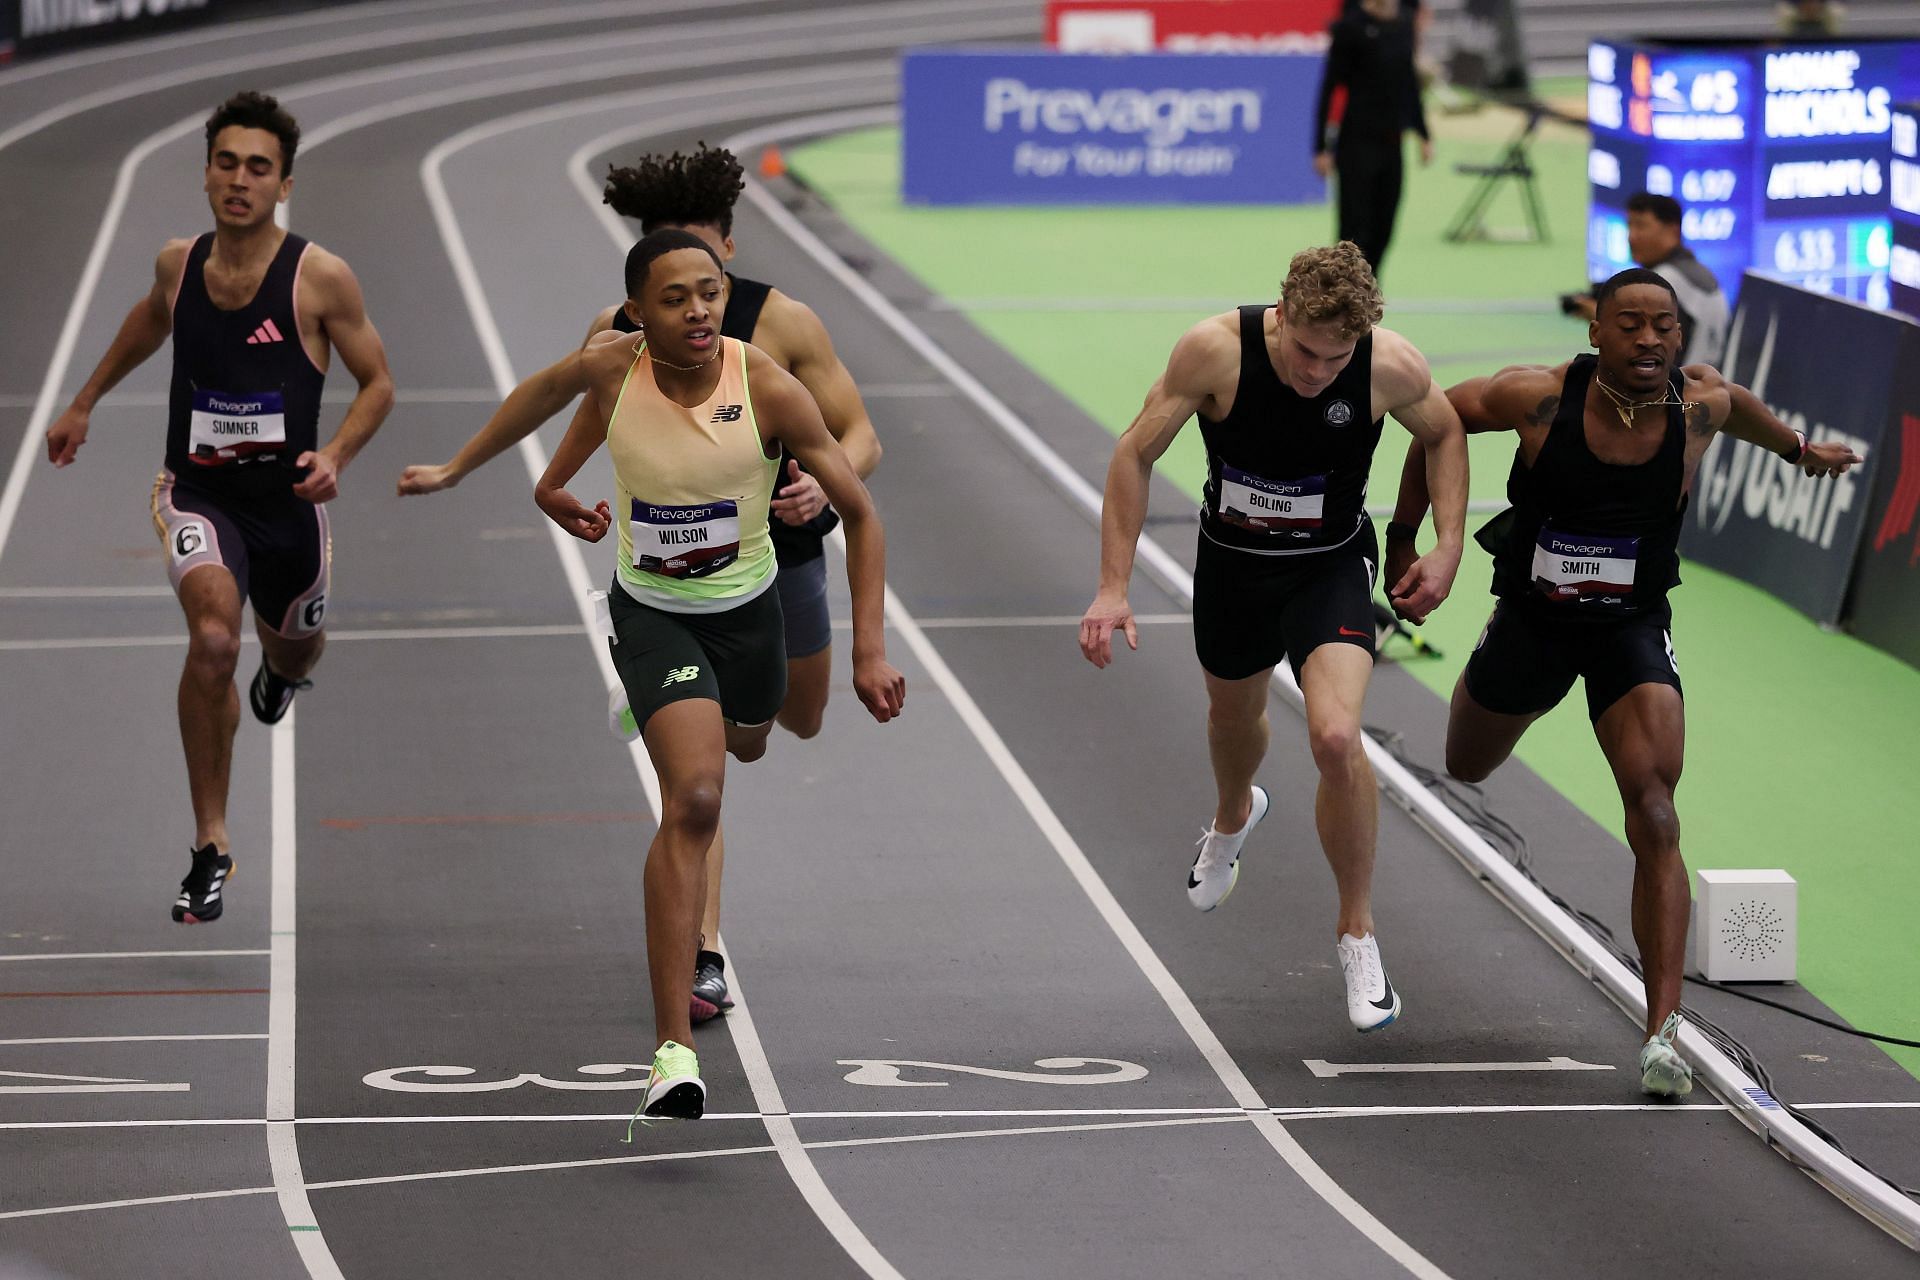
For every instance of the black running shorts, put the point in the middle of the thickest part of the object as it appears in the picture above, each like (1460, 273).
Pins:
(1528, 659)
(736, 658)
(803, 607)
(277, 548)
(1249, 611)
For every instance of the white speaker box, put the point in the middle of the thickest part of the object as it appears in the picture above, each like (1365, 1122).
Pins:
(1746, 926)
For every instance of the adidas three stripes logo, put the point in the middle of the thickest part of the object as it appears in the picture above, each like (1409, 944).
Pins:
(265, 333)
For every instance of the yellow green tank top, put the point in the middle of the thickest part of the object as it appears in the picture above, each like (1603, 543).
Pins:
(694, 486)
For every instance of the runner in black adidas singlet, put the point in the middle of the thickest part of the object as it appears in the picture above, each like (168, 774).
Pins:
(253, 312)
(696, 193)
(1290, 398)
(1583, 561)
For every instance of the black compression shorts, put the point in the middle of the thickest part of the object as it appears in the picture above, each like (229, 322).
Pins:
(1249, 610)
(1528, 659)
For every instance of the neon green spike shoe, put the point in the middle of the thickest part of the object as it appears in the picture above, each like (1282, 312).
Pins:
(674, 1090)
(1663, 1072)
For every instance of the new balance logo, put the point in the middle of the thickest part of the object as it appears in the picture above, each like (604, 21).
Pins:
(728, 413)
(265, 333)
(680, 675)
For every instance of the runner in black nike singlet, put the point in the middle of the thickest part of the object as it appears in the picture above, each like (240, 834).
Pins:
(696, 193)
(240, 506)
(1291, 399)
(1583, 561)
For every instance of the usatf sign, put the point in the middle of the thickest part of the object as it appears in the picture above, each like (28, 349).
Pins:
(1018, 127)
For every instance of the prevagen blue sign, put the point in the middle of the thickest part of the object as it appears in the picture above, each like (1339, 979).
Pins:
(1016, 126)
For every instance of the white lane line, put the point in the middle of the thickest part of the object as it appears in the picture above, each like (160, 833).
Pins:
(82, 593)
(1061, 621)
(136, 1087)
(373, 633)
(1065, 847)
(752, 1054)
(160, 399)
(45, 1075)
(1290, 1113)
(1328, 1070)
(1201, 306)
(124, 955)
(283, 1149)
(245, 1035)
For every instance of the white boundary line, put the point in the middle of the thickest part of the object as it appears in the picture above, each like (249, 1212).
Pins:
(283, 1150)
(238, 1035)
(1862, 1190)
(124, 955)
(752, 1055)
(374, 633)
(1386, 1111)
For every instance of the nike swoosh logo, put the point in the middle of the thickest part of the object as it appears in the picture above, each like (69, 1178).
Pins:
(1349, 631)
(1193, 881)
(1384, 1002)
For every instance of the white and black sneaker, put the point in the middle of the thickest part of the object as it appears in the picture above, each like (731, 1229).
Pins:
(200, 900)
(710, 995)
(1216, 869)
(270, 695)
(1372, 1002)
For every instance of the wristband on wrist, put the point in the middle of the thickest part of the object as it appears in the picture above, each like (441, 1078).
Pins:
(1799, 450)
(1399, 532)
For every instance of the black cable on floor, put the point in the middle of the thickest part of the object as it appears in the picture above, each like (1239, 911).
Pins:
(1469, 802)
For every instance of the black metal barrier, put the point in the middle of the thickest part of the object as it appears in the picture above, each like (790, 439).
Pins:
(1842, 550)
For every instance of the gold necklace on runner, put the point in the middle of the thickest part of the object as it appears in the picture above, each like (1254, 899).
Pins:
(1625, 405)
(668, 364)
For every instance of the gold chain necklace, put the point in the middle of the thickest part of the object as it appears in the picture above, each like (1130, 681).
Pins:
(1625, 405)
(668, 364)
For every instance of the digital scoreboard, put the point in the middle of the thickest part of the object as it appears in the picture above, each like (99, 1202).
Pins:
(1903, 186)
(1781, 156)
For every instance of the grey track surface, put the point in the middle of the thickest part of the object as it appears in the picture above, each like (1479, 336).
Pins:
(469, 845)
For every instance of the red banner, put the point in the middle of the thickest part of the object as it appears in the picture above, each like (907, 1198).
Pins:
(1190, 26)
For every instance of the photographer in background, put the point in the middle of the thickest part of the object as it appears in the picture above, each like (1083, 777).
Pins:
(1654, 241)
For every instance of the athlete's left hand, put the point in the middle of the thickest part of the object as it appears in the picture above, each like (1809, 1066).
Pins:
(323, 477)
(1423, 586)
(880, 688)
(801, 499)
(1828, 459)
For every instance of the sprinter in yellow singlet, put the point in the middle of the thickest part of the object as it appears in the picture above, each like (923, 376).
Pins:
(695, 423)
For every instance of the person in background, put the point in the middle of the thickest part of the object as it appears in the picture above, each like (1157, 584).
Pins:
(1809, 19)
(1654, 241)
(1372, 57)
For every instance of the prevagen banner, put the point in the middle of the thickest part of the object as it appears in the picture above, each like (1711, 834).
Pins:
(1190, 26)
(1013, 126)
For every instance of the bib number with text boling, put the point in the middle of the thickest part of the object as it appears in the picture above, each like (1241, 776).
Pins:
(684, 542)
(1255, 503)
(1584, 567)
(227, 429)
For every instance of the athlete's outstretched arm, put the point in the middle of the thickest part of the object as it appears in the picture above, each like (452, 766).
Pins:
(1197, 362)
(343, 318)
(799, 498)
(141, 334)
(1419, 405)
(787, 413)
(585, 434)
(528, 405)
(1749, 419)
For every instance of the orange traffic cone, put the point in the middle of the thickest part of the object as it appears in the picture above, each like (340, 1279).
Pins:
(772, 163)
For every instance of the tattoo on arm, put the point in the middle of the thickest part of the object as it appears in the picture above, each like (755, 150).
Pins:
(1699, 418)
(1541, 415)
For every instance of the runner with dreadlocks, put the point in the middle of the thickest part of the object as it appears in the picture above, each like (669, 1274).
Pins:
(696, 193)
